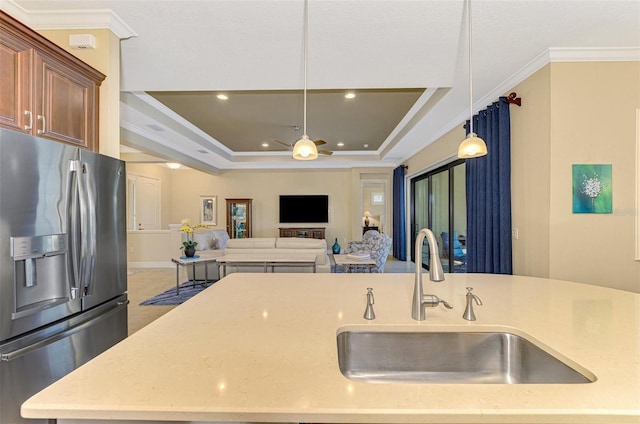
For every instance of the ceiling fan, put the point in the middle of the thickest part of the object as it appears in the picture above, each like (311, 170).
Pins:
(316, 142)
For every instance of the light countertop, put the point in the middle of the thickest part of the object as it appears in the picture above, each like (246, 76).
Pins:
(262, 347)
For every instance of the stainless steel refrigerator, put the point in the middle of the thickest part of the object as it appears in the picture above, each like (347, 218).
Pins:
(63, 276)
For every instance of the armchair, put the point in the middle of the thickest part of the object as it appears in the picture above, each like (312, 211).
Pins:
(459, 254)
(376, 244)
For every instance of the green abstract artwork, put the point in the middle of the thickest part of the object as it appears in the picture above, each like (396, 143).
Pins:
(592, 190)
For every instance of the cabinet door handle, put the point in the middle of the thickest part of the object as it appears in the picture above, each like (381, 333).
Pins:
(29, 126)
(44, 124)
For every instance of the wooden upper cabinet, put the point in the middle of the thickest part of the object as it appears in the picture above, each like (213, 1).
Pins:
(65, 104)
(15, 79)
(45, 90)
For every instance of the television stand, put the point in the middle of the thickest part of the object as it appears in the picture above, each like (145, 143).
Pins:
(315, 232)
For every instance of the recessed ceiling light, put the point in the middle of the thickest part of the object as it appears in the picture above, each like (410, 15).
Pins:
(265, 144)
(366, 146)
(340, 144)
(350, 95)
(222, 96)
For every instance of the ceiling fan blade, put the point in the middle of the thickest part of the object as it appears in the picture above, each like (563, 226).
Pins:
(319, 142)
(287, 145)
(325, 152)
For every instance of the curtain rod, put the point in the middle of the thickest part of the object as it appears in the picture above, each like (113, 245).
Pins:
(512, 98)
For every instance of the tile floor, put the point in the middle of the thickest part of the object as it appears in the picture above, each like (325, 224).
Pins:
(147, 282)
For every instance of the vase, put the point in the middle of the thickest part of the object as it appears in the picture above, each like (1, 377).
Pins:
(189, 252)
(336, 247)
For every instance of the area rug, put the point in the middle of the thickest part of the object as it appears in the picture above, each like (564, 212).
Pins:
(169, 297)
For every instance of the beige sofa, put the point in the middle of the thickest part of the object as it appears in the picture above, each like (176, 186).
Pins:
(279, 247)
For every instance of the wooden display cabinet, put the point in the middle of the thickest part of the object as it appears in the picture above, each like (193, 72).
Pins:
(44, 90)
(316, 233)
(239, 218)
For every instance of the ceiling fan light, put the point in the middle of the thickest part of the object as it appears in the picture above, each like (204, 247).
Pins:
(472, 147)
(305, 149)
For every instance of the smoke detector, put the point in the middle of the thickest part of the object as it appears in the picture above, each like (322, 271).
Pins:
(82, 41)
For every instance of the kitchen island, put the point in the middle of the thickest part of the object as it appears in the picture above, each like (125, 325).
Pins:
(262, 348)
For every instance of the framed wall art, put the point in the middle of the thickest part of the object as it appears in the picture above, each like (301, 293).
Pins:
(208, 210)
(377, 198)
(592, 189)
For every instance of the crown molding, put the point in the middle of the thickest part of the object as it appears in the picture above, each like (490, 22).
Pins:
(558, 54)
(70, 19)
(553, 54)
(596, 54)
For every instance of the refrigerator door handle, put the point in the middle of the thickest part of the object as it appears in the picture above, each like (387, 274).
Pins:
(87, 196)
(10, 356)
(73, 229)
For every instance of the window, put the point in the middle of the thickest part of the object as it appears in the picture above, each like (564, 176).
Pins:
(438, 202)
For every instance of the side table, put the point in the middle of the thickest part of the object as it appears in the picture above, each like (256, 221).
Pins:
(353, 265)
(184, 261)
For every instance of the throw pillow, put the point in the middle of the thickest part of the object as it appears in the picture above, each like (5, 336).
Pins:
(203, 240)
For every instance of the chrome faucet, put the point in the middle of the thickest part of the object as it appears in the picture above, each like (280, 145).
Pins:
(421, 300)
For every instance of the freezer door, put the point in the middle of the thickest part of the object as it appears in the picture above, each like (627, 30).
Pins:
(102, 192)
(36, 187)
(31, 363)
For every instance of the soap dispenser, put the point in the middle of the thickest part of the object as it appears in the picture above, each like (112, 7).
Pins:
(469, 315)
(369, 313)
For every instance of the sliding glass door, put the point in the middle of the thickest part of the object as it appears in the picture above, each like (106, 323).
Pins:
(438, 202)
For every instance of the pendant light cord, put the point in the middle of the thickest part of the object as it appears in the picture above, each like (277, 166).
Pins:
(306, 35)
(470, 72)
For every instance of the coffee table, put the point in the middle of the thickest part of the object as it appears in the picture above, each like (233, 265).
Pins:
(266, 260)
(354, 265)
(184, 261)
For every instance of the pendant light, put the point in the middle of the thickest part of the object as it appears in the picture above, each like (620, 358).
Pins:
(472, 146)
(305, 149)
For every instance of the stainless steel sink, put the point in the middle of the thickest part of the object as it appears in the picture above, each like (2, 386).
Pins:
(451, 357)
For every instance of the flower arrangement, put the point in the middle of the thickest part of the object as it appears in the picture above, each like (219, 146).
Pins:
(188, 228)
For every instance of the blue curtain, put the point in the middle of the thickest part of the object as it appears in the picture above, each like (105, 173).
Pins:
(488, 188)
(399, 235)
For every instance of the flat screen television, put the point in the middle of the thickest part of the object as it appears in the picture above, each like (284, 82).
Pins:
(308, 209)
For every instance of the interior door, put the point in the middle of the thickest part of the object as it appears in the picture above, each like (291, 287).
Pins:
(144, 205)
